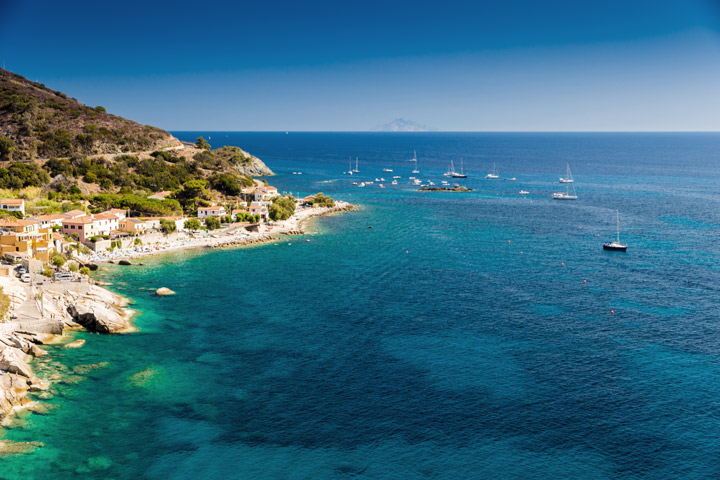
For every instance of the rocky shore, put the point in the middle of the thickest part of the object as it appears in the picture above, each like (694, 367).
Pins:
(40, 314)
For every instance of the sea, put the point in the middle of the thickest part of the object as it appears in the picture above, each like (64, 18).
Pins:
(424, 335)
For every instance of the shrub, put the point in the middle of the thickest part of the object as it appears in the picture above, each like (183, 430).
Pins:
(167, 226)
(192, 224)
(58, 260)
(85, 271)
(100, 109)
(4, 303)
(48, 272)
(202, 143)
(7, 147)
(212, 223)
(137, 242)
(73, 266)
(282, 208)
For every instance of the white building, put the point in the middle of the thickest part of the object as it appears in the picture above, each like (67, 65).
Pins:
(211, 211)
(13, 205)
(265, 193)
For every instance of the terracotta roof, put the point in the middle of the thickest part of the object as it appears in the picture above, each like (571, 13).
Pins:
(73, 213)
(116, 210)
(12, 201)
(212, 207)
(105, 216)
(85, 219)
(163, 194)
(239, 210)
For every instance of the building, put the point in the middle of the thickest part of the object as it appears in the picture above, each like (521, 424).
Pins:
(265, 193)
(19, 226)
(259, 209)
(106, 223)
(83, 227)
(119, 212)
(161, 195)
(211, 211)
(74, 214)
(133, 225)
(48, 220)
(26, 242)
(13, 205)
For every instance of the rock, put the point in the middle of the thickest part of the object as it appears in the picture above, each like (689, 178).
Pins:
(45, 396)
(124, 262)
(163, 291)
(38, 385)
(11, 361)
(8, 448)
(75, 344)
(100, 318)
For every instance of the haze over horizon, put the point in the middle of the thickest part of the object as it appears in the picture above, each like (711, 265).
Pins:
(324, 66)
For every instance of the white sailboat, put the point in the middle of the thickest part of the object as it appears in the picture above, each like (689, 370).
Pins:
(616, 246)
(415, 158)
(494, 173)
(568, 176)
(356, 166)
(567, 195)
(462, 172)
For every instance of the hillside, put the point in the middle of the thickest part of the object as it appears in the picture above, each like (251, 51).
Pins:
(73, 152)
(44, 123)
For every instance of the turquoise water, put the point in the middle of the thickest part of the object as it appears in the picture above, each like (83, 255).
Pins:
(463, 336)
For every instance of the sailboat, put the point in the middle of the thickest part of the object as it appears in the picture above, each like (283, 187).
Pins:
(616, 246)
(415, 158)
(462, 173)
(350, 172)
(356, 165)
(568, 176)
(494, 173)
(568, 185)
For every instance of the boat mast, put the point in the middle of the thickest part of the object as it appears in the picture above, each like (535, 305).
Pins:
(618, 225)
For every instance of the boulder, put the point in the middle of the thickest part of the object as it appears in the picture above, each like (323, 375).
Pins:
(98, 318)
(163, 291)
(11, 361)
(124, 262)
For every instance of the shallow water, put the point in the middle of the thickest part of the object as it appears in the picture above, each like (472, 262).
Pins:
(463, 336)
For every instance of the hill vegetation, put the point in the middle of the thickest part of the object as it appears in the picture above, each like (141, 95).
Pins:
(83, 155)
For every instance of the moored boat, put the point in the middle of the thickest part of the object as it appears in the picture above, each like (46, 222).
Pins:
(616, 246)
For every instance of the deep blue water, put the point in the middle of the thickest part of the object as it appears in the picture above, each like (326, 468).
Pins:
(463, 336)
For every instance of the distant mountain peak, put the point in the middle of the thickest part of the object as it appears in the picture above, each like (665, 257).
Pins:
(402, 125)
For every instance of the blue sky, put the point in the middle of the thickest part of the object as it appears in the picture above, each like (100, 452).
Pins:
(332, 65)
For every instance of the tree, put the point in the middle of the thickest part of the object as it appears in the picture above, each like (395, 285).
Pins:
(192, 224)
(167, 226)
(202, 143)
(100, 109)
(49, 273)
(85, 271)
(212, 223)
(137, 242)
(58, 260)
(282, 208)
(73, 266)
(7, 146)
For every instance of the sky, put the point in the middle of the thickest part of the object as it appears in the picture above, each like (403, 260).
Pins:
(276, 65)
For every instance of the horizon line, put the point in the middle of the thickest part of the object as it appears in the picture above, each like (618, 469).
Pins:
(448, 131)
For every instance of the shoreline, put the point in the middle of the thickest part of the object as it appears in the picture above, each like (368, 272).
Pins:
(231, 236)
(49, 313)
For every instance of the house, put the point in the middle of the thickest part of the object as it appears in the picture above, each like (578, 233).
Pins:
(119, 212)
(106, 223)
(259, 209)
(48, 220)
(211, 211)
(133, 225)
(266, 192)
(19, 226)
(36, 243)
(83, 227)
(13, 205)
(161, 195)
(74, 214)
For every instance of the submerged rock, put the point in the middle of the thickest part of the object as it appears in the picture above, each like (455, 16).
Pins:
(163, 291)
(8, 448)
(75, 344)
(124, 262)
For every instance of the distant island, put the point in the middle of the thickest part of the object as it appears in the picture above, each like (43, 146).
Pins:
(402, 125)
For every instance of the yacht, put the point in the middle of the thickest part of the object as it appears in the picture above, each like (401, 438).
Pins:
(387, 169)
(568, 176)
(567, 195)
(494, 173)
(616, 246)
(462, 173)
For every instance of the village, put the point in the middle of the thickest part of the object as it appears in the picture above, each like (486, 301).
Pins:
(32, 240)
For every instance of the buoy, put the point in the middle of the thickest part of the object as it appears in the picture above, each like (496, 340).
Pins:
(580, 228)
(612, 312)
(562, 264)
(584, 281)
(598, 235)
(521, 253)
(406, 251)
(508, 241)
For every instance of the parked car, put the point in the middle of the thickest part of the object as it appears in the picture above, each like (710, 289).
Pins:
(21, 271)
(62, 276)
(25, 277)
